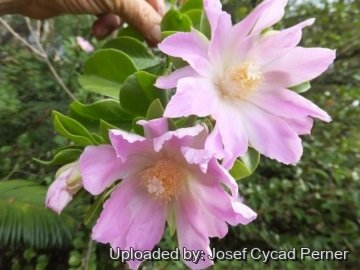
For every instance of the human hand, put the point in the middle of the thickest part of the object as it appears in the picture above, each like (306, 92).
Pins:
(143, 15)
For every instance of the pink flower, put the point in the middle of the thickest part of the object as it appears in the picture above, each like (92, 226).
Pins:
(84, 44)
(241, 78)
(166, 176)
(66, 184)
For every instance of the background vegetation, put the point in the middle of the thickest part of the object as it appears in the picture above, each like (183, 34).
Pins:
(315, 204)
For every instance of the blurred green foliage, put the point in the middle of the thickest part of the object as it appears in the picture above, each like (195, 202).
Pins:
(315, 204)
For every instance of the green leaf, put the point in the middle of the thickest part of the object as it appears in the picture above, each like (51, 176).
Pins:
(136, 50)
(105, 71)
(93, 213)
(175, 21)
(156, 110)
(72, 129)
(62, 157)
(186, 121)
(138, 129)
(246, 165)
(137, 93)
(24, 220)
(105, 109)
(251, 159)
(205, 26)
(104, 129)
(191, 4)
(301, 88)
(130, 32)
(195, 16)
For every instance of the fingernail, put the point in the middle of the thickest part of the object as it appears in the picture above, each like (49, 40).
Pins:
(155, 34)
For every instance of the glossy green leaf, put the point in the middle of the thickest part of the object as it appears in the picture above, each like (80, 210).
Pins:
(246, 165)
(105, 127)
(156, 110)
(72, 129)
(195, 16)
(138, 129)
(301, 88)
(106, 109)
(186, 121)
(136, 50)
(105, 71)
(62, 157)
(205, 26)
(175, 21)
(137, 93)
(93, 213)
(191, 4)
(130, 32)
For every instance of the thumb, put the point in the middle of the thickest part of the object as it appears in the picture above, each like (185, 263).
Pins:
(142, 16)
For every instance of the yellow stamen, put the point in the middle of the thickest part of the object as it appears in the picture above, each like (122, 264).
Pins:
(240, 81)
(163, 180)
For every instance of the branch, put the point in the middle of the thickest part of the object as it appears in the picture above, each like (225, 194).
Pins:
(47, 60)
(23, 41)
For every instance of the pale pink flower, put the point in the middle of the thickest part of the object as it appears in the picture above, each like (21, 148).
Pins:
(66, 184)
(241, 78)
(166, 175)
(84, 44)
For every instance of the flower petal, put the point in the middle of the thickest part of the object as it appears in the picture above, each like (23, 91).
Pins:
(126, 143)
(192, 237)
(287, 104)
(235, 140)
(171, 80)
(191, 47)
(301, 126)
(99, 168)
(154, 128)
(58, 196)
(302, 64)
(193, 96)
(179, 138)
(271, 135)
(200, 157)
(140, 220)
(274, 45)
(264, 15)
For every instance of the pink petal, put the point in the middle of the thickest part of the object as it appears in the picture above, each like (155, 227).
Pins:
(191, 47)
(271, 135)
(126, 143)
(154, 128)
(58, 196)
(287, 104)
(272, 46)
(99, 168)
(272, 14)
(264, 15)
(192, 237)
(224, 207)
(200, 157)
(193, 96)
(220, 23)
(214, 143)
(131, 218)
(233, 134)
(171, 80)
(301, 126)
(302, 64)
(179, 138)
(213, 9)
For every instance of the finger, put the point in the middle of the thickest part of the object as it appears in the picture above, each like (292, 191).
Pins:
(143, 17)
(105, 25)
(158, 5)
